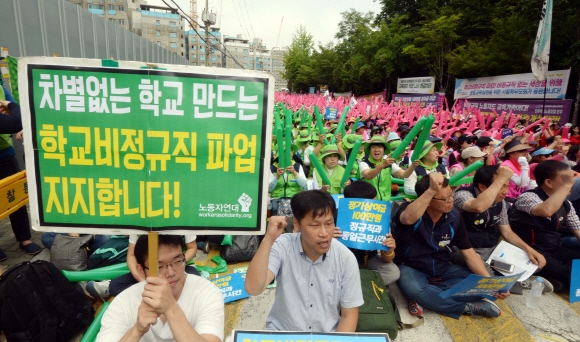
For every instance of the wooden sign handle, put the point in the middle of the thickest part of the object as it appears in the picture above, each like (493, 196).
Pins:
(153, 242)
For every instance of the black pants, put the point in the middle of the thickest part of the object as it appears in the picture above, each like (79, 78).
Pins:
(123, 282)
(19, 218)
(559, 264)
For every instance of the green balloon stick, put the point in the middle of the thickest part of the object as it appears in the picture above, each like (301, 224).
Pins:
(354, 126)
(103, 273)
(277, 116)
(288, 146)
(466, 180)
(412, 134)
(304, 116)
(454, 180)
(398, 181)
(422, 137)
(222, 266)
(314, 161)
(91, 333)
(340, 127)
(320, 124)
(351, 161)
(280, 142)
(397, 198)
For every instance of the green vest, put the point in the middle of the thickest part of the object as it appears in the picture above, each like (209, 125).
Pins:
(382, 182)
(5, 141)
(337, 173)
(286, 189)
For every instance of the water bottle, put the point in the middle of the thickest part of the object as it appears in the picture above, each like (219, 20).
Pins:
(533, 301)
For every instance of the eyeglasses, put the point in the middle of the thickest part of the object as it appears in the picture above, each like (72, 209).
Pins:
(446, 200)
(174, 265)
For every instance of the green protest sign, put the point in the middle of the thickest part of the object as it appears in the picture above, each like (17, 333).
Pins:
(179, 149)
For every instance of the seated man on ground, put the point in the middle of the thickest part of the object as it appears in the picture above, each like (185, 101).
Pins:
(318, 280)
(426, 230)
(103, 289)
(484, 213)
(371, 260)
(173, 306)
(539, 215)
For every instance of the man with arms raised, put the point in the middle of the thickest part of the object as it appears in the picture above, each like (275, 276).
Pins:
(426, 230)
(172, 307)
(318, 280)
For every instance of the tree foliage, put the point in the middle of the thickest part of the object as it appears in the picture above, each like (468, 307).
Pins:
(447, 39)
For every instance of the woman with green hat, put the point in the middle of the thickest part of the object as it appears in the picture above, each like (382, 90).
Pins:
(330, 156)
(428, 163)
(348, 143)
(377, 169)
(328, 138)
(303, 143)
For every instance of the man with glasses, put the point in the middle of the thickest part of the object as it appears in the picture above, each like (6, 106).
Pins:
(426, 230)
(174, 306)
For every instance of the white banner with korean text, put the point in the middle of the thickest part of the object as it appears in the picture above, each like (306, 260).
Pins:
(416, 85)
(517, 86)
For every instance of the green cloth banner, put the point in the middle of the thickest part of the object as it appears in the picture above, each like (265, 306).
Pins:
(151, 150)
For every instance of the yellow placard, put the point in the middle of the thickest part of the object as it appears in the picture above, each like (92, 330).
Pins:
(13, 193)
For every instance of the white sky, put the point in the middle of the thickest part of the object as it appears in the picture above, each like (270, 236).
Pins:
(320, 18)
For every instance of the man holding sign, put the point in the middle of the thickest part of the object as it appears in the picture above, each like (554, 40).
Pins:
(426, 230)
(174, 306)
(318, 280)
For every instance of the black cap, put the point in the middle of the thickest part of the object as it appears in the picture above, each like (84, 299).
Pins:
(402, 128)
(466, 137)
(483, 142)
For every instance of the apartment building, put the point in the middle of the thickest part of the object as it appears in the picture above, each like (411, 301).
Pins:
(161, 25)
(196, 48)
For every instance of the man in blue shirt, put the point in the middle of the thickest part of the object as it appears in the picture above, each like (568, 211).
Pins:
(426, 230)
(318, 283)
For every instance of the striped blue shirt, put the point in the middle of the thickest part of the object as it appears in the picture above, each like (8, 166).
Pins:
(309, 294)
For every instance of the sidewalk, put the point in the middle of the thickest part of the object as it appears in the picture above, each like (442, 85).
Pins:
(10, 246)
(555, 320)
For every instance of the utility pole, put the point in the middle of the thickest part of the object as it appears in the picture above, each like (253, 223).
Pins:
(208, 20)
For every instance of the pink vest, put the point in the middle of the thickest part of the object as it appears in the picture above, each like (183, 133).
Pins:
(513, 190)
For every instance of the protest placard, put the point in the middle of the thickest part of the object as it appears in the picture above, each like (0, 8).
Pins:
(364, 223)
(331, 113)
(507, 132)
(287, 336)
(575, 282)
(513, 255)
(173, 149)
(337, 198)
(232, 286)
(480, 286)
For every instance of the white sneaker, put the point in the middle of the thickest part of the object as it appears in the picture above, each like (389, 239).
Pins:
(527, 284)
(99, 289)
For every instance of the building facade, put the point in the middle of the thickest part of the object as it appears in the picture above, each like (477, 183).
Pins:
(196, 48)
(161, 25)
(116, 11)
(278, 67)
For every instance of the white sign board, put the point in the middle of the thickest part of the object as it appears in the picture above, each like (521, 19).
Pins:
(518, 86)
(416, 85)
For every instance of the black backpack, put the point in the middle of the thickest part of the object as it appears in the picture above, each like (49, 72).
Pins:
(37, 303)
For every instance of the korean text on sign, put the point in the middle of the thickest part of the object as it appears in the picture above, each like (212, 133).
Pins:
(364, 223)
